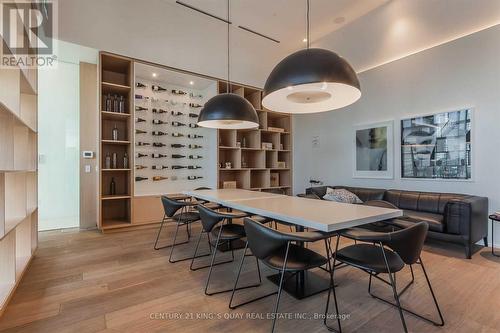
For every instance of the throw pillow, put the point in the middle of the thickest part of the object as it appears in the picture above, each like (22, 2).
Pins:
(341, 195)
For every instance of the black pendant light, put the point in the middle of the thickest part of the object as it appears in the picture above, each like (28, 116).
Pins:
(311, 80)
(228, 111)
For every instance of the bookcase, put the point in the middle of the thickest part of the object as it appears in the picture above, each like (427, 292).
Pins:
(258, 159)
(18, 175)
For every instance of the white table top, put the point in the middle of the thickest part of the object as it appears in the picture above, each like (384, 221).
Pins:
(317, 214)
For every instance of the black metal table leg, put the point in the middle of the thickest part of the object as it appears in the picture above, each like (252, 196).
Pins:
(492, 238)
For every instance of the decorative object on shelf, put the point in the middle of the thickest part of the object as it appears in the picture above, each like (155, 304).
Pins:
(114, 161)
(311, 80)
(157, 88)
(243, 142)
(112, 186)
(228, 165)
(228, 110)
(229, 184)
(158, 178)
(238, 144)
(437, 146)
(140, 179)
(274, 179)
(267, 145)
(281, 165)
(107, 161)
(373, 151)
(125, 160)
(114, 133)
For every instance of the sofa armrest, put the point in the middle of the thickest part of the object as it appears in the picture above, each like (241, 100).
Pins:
(468, 217)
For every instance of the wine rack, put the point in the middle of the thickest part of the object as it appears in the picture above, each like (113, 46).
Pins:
(18, 175)
(258, 159)
(116, 186)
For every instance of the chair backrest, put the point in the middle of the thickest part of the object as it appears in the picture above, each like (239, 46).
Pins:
(408, 242)
(262, 240)
(171, 206)
(209, 217)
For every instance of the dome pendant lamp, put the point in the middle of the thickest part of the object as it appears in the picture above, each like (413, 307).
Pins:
(311, 80)
(228, 111)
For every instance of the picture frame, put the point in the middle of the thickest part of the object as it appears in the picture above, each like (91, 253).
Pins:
(373, 150)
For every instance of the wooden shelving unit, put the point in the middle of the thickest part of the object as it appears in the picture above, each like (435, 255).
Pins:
(254, 166)
(116, 79)
(18, 176)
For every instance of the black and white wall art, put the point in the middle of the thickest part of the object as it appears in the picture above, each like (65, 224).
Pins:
(437, 146)
(374, 151)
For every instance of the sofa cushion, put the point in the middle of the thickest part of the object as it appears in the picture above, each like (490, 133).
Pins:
(435, 221)
(341, 195)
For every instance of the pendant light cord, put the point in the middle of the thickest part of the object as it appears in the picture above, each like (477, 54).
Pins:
(307, 25)
(228, 86)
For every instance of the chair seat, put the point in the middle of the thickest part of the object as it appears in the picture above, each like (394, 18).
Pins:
(186, 217)
(299, 258)
(369, 256)
(435, 221)
(230, 231)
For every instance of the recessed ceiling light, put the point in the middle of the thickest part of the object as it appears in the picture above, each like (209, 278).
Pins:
(155, 75)
(304, 40)
(191, 82)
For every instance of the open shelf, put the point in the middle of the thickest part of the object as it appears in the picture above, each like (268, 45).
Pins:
(107, 115)
(115, 197)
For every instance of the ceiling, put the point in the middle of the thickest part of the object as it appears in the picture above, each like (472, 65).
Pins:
(172, 78)
(366, 32)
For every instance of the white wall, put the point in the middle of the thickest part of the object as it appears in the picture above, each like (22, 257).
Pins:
(462, 73)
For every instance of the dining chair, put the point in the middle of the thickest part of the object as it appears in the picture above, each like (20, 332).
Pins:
(384, 253)
(277, 250)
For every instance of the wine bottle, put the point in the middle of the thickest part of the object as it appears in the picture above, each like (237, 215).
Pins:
(159, 167)
(195, 136)
(112, 187)
(140, 167)
(141, 97)
(177, 124)
(177, 113)
(158, 122)
(108, 102)
(107, 162)
(158, 178)
(138, 131)
(193, 125)
(195, 146)
(114, 133)
(178, 156)
(158, 144)
(157, 88)
(194, 177)
(140, 143)
(158, 155)
(193, 115)
(193, 95)
(158, 133)
(175, 167)
(193, 167)
(114, 161)
(121, 105)
(177, 145)
(159, 111)
(140, 179)
(177, 135)
(125, 160)
(195, 105)
(139, 155)
(178, 92)
(140, 108)
(195, 157)
(140, 120)
(116, 104)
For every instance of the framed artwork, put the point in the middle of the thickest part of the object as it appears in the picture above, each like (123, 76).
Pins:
(437, 146)
(373, 155)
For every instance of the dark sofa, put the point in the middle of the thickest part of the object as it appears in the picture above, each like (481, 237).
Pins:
(456, 218)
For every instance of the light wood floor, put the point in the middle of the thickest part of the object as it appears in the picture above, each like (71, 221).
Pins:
(90, 282)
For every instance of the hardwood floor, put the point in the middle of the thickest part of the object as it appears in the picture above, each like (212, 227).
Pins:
(92, 282)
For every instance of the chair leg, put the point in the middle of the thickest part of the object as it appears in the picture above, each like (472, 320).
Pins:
(280, 288)
(396, 297)
(432, 293)
(232, 307)
(213, 260)
(156, 247)
(332, 288)
(196, 251)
